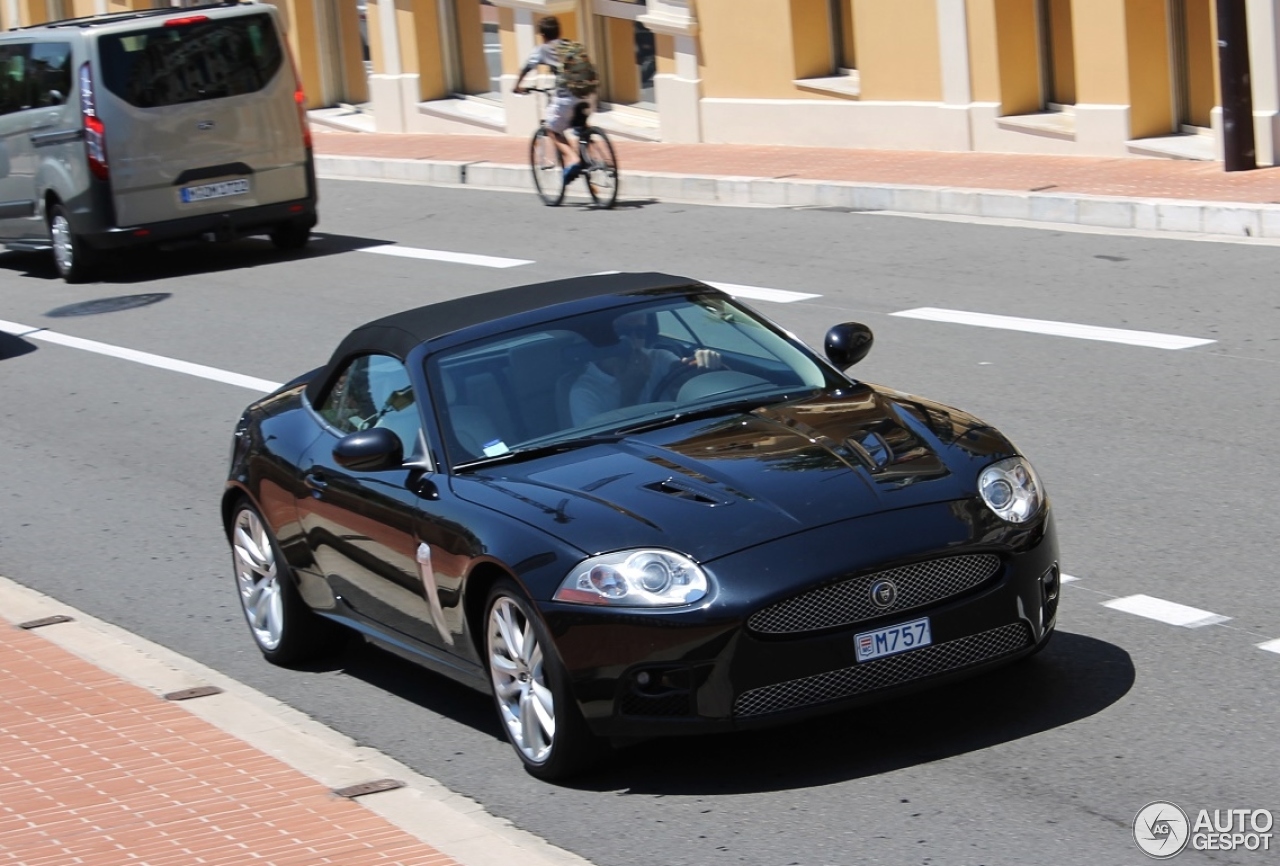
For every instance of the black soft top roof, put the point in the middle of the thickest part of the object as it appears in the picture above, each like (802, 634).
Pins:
(399, 333)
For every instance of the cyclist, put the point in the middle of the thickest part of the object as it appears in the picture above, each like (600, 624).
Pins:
(562, 105)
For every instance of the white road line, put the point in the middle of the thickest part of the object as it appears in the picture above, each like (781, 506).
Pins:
(1165, 611)
(27, 332)
(1271, 646)
(446, 256)
(1066, 578)
(758, 293)
(1148, 339)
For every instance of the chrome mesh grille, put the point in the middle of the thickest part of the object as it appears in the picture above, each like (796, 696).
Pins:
(882, 673)
(849, 601)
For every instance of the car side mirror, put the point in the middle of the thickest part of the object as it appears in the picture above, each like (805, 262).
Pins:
(848, 343)
(369, 450)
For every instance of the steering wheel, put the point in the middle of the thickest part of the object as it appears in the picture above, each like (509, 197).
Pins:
(669, 385)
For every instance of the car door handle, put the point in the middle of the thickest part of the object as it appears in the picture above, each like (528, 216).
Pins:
(315, 480)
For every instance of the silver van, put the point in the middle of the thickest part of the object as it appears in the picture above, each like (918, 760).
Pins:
(142, 127)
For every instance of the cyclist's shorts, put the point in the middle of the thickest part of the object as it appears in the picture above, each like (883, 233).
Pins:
(559, 115)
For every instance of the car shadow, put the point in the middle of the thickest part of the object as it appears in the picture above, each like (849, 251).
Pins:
(171, 261)
(1073, 678)
(356, 657)
(12, 346)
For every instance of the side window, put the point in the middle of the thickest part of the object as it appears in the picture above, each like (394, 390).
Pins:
(14, 87)
(374, 391)
(50, 73)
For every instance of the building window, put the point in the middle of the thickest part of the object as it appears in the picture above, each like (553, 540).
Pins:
(626, 54)
(1057, 54)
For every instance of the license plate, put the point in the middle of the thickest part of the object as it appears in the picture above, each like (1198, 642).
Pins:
(222, 189)
(893, 639)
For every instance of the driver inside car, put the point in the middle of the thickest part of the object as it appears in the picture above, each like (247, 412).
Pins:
(634, 372)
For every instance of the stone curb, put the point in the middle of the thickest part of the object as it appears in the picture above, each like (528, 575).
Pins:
(453, 824)
(1230, 219)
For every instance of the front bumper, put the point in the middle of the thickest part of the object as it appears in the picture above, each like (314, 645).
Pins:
(646, 673)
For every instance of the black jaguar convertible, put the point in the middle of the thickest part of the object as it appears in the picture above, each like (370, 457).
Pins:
(627, 506)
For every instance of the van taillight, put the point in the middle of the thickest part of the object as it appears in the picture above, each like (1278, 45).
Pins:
(300, 98)
(182, 22)
(95, 134)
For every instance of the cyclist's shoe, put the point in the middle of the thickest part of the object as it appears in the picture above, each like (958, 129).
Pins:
(572, 173)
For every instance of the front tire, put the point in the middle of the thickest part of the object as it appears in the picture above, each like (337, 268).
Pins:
(75, 260)
(547, 164)
(531, 690)
(283, 627)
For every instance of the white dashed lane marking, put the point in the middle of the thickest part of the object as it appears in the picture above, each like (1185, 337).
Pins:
(1271, 646)
(1165, 611)
(447, 256)
(1148, 339)
(760, 293)
(27, 332)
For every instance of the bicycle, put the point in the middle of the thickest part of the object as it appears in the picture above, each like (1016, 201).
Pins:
(595, 152)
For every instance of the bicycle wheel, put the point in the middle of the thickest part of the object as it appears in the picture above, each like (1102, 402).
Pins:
(548, 167)
(601, 168)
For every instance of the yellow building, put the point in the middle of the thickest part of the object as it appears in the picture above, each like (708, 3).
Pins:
(1078, 77)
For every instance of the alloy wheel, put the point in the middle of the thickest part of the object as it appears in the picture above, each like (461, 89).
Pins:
(63, 250)
(525, 700)
(257, 578)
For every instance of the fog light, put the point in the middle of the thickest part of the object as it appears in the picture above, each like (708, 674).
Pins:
(1049, 583)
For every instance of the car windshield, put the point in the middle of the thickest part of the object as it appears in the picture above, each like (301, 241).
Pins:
(585, 378)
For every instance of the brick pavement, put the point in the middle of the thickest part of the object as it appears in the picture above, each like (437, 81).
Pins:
(95, 771)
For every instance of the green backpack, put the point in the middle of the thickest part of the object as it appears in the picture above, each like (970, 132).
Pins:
(577, 74)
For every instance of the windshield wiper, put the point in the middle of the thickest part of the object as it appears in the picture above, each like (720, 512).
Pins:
(532, 451)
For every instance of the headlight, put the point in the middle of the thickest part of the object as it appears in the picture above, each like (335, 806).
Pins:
(1011, 489)
(635, 578)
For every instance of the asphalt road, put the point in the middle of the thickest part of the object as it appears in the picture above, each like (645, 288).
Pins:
(1159, 463)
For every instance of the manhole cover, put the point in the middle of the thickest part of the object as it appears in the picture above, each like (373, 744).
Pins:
(107, 305)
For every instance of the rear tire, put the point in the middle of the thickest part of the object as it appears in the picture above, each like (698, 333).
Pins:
(283, 627)
(75, 260)
(601, 169)
(291, 236)
(547, 164)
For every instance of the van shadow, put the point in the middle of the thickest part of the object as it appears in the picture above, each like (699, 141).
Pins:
(170, 261)
(1073, 678)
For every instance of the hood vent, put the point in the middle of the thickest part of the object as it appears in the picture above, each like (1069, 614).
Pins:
(681, 490)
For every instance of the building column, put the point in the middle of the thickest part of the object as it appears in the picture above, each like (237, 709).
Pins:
(953, 46)
(1264, 73)
(1124, 83)
(677, 87)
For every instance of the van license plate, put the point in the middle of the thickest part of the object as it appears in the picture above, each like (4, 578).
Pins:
(221, 189)
(893, 639)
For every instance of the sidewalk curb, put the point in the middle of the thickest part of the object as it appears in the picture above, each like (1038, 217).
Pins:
(453, 824)
(1230, 219)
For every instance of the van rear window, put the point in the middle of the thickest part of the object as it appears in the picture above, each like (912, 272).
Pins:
(193, 62)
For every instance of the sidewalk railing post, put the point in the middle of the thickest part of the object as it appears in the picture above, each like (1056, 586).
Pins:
(1239, 150)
